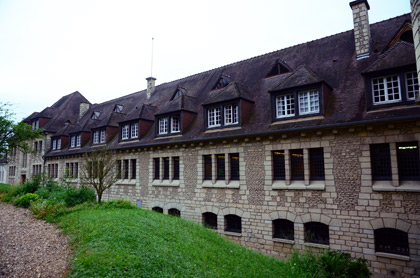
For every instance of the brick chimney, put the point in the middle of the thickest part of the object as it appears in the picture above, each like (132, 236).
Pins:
(150, 86)
(361, 27)
(84, 107)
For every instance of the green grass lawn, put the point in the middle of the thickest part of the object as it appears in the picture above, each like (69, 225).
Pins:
(4, 188)
(141, 243)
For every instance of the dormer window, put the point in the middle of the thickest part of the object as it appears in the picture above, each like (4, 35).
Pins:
(56, 144)
(96, 137)
(163, 125)
(412, 85)
(175, 124)
(223, 115)
(102, 138)
(221, 83)
(178, 93)
(118, 108)
(130, 131)
(277, 70)
(297, 103)
(99, 136)
(72, 141)
(78, 140)
(35, 124)
(386, 89)
(95, 115)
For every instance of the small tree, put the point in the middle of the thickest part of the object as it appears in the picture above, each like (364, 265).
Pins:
(99, 170)
(15, 135)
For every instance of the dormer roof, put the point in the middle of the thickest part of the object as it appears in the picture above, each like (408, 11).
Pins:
(144, 112)
(182, 103)
(234, 90)
(401, 54)
(300, 77)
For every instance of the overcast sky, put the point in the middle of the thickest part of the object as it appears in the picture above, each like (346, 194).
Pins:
(51, 48)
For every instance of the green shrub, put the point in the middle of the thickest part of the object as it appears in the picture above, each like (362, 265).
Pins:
(331, 264)
(47, 209)
(25, 200)
(27, 187)
(124, 204)
(75, 196)
(5, 188)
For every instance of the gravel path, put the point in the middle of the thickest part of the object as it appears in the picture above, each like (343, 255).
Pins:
(30, 247)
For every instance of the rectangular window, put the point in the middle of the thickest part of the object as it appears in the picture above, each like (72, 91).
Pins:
(220, 161)
(166, 168)
(40, 146)
(412, 85)
(58, 144)
(279, 172)
(296, 164)
(175, 161)
(119, 168)
(380, 160)
(95, 137)
(175, 124)
(135, 130)
(408, 161)
(386, 89)
(76, 170)
(156, 162)
(213, 117)
(24, 160)
(285, 106)
(78, 140)
(54, 144)
(124, 132)
(133, 169)
(316, 164)
(231, 114)
(35, 146)
(207, 167)
(234, 166)
(163, 125)
(72, 141)
(308, 102)
(103, 136)
(125, 169)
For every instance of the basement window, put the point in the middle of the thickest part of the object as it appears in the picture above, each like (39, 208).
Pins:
(210, 220)
(316, 232)
(233, 223)
(392, 241)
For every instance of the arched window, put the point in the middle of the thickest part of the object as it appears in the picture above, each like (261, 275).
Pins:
(158, 209)
(283, 228)
(392, 241)
(233, 223)
(174, 212)
(316, 232)
(210, 220)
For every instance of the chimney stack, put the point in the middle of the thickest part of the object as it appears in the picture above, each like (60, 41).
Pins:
(84, 107)
(361, 27)
(150, 86)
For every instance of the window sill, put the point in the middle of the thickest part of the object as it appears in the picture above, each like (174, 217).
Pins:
(283, 240)
(165, 183)
(126, 182)
(220, 184)
(392, 256)
(165, 136)
(317, 245)
(232, 234)
(293, 119)
(298, 185)
(405, 186)
(221, 128)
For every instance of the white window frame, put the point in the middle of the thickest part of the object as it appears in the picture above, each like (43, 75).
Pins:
(54, 144)
(96, 137)
(78, 140)
(415, 83)
(386, 89)
(310, 100)
(231, 112)
(59, 144)
(175, 124)
(285, 106)
(213, 117)
(135, 130)
(163, 125)
(102, 137)
(124, 132)
(72, 141)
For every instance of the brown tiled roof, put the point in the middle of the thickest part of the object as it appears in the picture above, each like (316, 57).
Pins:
(331, 60)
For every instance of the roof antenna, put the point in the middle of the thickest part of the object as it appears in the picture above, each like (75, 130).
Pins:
(151, 80)
(151, 66)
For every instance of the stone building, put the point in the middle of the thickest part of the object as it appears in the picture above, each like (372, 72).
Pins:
(310, 147)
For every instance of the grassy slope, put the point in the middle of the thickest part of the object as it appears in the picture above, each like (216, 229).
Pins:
(140, 243)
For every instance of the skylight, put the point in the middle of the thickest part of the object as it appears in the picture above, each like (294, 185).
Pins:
(95, 115)
(118, 108)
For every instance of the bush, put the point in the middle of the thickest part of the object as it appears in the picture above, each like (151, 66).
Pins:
(75, 196)
(27, 187)
(331, 264)
(118, 204)
(5, 188)
(25, 200)
(47, 209)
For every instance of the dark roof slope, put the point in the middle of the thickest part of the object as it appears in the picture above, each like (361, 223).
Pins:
(331, 60)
